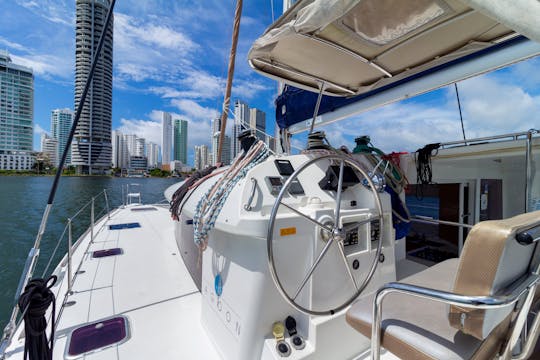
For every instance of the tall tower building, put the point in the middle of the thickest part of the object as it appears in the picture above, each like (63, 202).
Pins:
(225, 151)
(180, 140)
(140, 147)
(152, 154)
(166, 138)
(61, 121)
(49, 148)
(241, 123)
(257, 122)
(201, 157)
(92, 149)
(131, 144)
(120, 152)
(16, 114)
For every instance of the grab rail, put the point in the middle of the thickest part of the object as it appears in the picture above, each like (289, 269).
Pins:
(430, 220)
(31, 260)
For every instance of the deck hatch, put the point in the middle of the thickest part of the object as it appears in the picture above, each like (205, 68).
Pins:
(98, 335)
(124, 226)
(107, 252)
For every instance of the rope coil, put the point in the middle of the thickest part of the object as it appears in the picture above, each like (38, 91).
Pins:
(210, 205)
(33, 303)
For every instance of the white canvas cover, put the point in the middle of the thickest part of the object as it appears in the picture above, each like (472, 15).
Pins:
(353, 46)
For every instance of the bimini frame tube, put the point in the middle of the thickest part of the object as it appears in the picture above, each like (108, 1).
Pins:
(528, 170)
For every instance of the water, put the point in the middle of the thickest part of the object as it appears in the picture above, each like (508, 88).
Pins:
(22, 201)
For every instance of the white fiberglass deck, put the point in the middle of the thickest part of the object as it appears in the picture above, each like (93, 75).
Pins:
(148, 284)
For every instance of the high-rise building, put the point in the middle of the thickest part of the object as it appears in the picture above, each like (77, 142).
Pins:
(92, 148)
(61, 121)
(49, 148)
(16, 115)
(120, 157)
(201, 157)
(241, 123)
(257, 122)
(225, 151)
(131, 144)
(152, 154)
(180, 140)
(166, 138)
(140, 147)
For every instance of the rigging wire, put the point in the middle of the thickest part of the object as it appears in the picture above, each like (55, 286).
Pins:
(460, 113)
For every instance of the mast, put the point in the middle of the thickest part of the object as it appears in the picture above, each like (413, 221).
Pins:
(230, 74)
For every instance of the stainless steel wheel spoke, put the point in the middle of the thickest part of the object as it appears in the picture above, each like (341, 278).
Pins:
(344, 258)
(313, 267)
(325, 227)
(338, 197)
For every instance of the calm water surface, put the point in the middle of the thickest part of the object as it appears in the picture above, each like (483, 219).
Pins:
(22, 201)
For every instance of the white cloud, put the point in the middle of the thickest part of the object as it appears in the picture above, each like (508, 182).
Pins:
(194, 110)
(38, 130)
(12, 45)
(490, 107)
(57, 11)
(47, 66)
(148, 129)
(148, 49)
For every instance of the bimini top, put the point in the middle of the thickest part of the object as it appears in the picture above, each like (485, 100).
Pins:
(353, 47)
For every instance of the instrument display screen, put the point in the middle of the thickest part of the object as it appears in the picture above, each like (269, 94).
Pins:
(284, 167)
(275, 181)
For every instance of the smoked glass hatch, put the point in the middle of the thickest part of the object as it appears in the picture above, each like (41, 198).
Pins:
(96, 336)
(107, 252)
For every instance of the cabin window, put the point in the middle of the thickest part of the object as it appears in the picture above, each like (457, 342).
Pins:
(383, 21)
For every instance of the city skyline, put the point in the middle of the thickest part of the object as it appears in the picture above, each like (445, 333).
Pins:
(163, 64)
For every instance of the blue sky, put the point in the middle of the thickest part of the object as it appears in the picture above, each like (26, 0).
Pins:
(172, 56)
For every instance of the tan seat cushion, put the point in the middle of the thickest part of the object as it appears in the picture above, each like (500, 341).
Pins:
(415, 328)
(491, 260)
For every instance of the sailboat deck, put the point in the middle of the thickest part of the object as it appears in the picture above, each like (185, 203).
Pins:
(148, 284)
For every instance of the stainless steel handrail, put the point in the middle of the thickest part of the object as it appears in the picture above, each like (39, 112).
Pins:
(513, 136)
(474, 302)
(247, 206)
(428, 220)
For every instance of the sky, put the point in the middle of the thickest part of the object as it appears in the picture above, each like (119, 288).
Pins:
(172, 56)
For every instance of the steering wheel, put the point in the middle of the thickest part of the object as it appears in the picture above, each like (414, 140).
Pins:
(330, 230)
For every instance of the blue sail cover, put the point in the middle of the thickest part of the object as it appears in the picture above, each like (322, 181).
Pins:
(294, 105)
